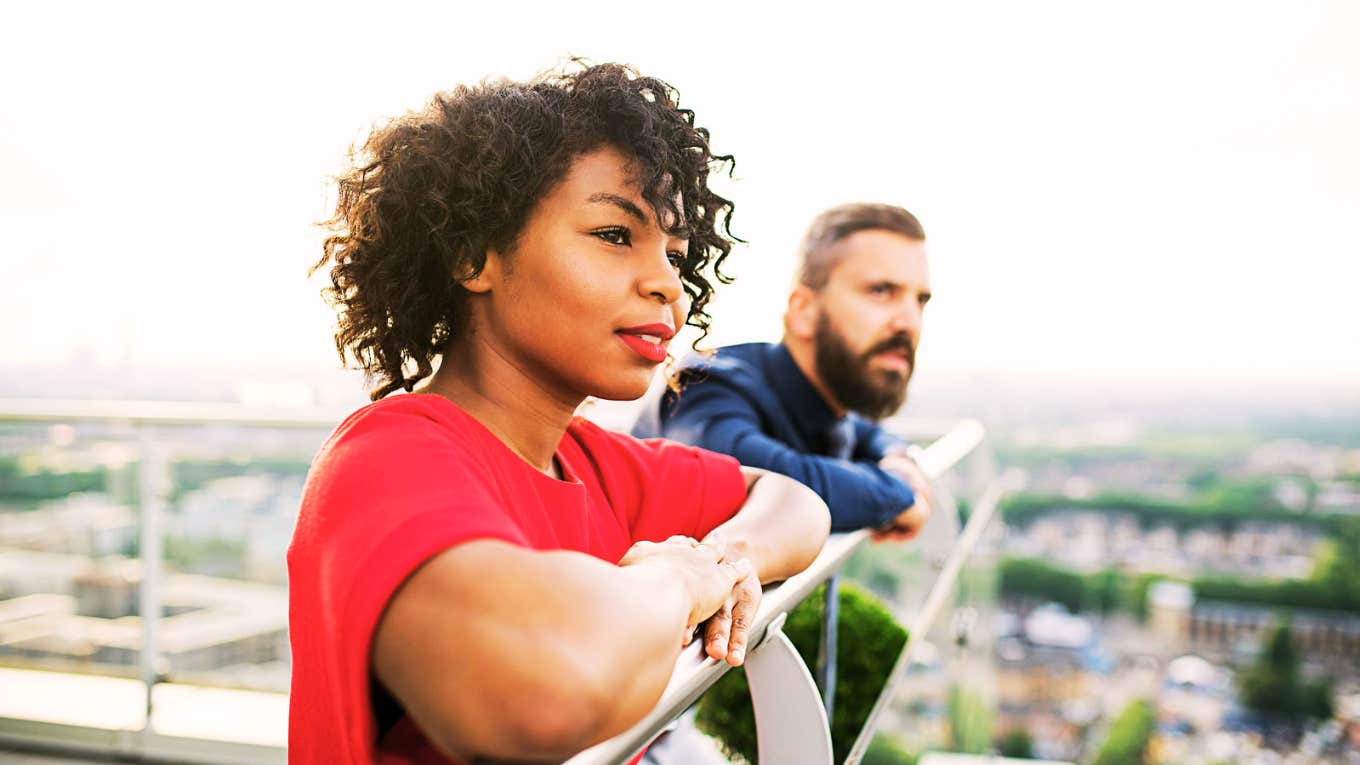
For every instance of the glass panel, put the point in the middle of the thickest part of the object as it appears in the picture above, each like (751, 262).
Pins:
(229, 516)
(70, 621)
(71, 626)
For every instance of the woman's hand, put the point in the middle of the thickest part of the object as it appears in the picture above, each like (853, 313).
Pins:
(712, 581)
(726, 632)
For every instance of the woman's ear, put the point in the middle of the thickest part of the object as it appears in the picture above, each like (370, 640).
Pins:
(485, 278)
(800, 317)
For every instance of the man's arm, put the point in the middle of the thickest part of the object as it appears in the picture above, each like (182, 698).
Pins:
(873, 443)
(502, 652)
(895, 455)
(715, 415)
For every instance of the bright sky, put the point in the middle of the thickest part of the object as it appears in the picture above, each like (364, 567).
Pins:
(1153, 190)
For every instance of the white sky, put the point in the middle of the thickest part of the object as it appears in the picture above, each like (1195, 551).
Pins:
(1150, 190)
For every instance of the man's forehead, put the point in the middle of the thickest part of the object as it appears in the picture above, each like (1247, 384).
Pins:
(880, 255)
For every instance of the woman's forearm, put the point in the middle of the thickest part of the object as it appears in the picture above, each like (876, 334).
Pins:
(551, 653)
(780, 529)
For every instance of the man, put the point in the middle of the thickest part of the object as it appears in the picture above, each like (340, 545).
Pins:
(806, 407)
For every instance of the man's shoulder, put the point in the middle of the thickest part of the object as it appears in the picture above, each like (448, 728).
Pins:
(706, 380)
(742, 363)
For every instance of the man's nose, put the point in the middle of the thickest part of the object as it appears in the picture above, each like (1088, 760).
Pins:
(908, 318)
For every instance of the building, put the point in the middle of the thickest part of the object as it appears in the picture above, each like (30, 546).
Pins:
(86, 616)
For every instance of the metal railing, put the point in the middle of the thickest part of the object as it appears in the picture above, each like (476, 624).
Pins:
(791, 720)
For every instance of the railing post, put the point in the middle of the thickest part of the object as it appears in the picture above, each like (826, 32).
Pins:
(150, 476)
(826, 654)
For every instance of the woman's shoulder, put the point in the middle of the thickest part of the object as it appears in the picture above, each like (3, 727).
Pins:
(600, 441)
(610, 449)
(404, 427)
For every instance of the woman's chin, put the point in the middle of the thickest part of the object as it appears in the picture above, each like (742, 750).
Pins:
(623, 389)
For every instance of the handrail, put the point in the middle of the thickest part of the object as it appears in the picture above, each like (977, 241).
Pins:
(167, 413)
(695, 671)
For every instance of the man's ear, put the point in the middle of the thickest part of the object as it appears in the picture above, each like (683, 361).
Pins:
(485, 279)
(800, 317)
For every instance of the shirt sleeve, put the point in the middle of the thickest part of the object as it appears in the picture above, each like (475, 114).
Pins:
(382, 499)
(713, 413)
(873, 443)
(666, 488)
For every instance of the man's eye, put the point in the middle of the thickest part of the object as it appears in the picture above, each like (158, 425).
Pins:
(614, 235)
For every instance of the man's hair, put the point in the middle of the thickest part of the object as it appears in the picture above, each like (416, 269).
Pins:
(815, 258)
(431, 192)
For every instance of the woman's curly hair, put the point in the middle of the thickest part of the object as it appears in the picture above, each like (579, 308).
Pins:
(431, 192)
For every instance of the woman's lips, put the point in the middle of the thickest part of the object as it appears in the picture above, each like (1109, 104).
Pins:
(649, 347)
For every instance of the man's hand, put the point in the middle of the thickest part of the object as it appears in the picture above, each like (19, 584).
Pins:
(910, 521)
(711, 581)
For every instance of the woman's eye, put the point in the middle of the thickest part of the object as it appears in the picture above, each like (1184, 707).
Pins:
(614, 235)
(676, 257)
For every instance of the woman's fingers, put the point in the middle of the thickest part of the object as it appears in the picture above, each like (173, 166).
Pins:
(717, 630)
(743, 615)
(726, 633)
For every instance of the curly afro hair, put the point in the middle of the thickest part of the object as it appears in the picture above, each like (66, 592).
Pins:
(431, 192)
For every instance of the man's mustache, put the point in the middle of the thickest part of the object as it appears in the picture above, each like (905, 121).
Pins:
(898, 342)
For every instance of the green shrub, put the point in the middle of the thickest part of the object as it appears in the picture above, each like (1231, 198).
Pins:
(868, 645)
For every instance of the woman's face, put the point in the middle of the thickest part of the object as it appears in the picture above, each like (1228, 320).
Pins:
(591, 294)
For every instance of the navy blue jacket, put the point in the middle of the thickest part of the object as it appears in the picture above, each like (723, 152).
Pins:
(753, 402)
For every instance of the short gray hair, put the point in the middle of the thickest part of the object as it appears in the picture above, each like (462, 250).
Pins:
(815, 262)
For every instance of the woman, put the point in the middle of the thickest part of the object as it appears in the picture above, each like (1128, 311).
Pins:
(475, 572)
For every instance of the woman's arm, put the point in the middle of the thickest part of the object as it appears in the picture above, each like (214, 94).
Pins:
(502, 652)
(780, 529)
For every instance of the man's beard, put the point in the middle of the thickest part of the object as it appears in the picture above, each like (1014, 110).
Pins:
(873, 393)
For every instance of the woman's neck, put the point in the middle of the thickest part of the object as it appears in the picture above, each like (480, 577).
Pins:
(525, 413)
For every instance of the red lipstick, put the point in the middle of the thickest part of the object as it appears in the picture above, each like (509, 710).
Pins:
(648, 340)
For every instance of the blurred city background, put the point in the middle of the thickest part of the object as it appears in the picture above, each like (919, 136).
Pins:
(1143, 240)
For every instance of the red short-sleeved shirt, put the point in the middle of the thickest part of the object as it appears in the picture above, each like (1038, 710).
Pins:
(410, 476)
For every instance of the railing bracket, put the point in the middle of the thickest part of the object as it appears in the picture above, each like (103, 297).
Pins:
(791, 724)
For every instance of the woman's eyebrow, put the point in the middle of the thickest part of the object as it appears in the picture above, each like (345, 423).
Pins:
(621, 203)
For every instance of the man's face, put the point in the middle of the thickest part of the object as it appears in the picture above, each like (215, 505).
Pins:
(869, 320)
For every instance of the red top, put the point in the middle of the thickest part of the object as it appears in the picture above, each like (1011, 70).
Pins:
(410, 476)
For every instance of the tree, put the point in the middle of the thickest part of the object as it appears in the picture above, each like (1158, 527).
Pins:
(1016, 743)
(1338, 567)
(970, 722)
(1031, 578)
(886, 751)
(1128, 737)
(1272, 684)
